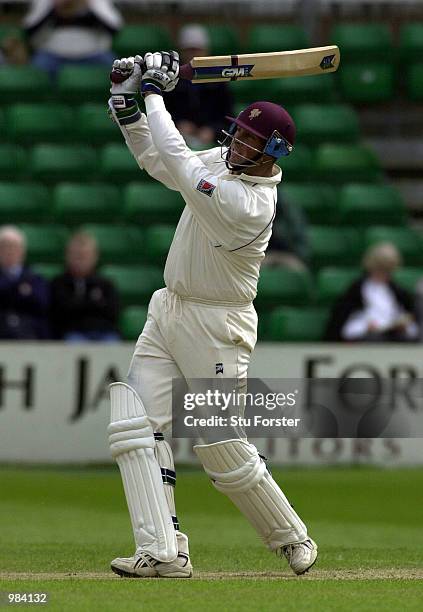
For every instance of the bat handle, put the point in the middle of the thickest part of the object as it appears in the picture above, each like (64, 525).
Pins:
(186, 72)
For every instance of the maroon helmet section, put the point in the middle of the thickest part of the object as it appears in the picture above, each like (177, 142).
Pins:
(263, 118)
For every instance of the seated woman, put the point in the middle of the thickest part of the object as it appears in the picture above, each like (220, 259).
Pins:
(84, 305)
(374, 308)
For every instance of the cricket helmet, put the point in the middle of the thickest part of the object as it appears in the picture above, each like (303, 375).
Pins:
(268, 121)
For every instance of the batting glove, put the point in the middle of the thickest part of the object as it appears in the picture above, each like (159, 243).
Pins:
(126, 81)
(160, 72)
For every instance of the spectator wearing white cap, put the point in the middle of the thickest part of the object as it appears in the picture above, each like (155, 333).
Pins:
(198, 110)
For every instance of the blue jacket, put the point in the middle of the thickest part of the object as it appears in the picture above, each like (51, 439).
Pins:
(24, 306)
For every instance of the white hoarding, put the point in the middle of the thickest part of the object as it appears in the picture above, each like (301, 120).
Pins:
(54, 400)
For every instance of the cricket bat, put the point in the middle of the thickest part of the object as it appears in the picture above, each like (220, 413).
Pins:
(223, 68)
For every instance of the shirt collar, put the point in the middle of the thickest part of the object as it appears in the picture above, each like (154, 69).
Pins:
(249, 178)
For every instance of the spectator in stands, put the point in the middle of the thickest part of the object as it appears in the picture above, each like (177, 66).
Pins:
(66, 32)
(198, 110)
(84, 305)
(288, 245)
(375, 308)
(24, 296)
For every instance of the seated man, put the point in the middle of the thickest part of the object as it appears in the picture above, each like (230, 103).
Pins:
(84, 305)
(24, 295)
(198, 110)
(63, 32)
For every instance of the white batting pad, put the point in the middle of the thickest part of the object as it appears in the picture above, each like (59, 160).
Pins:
(132, 444)
(237, 470)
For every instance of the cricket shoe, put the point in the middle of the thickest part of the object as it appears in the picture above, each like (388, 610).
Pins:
(301, 557)
(143, 565)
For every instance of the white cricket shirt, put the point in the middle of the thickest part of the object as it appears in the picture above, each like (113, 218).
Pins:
(224, 230)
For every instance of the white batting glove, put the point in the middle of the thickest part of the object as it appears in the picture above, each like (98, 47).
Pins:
(126, 81)
(126, 75)
(160, 72)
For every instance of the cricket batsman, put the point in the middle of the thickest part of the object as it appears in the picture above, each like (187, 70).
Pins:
(203, 323)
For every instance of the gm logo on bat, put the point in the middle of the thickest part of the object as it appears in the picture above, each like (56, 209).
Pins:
(236, 71)
(228, 72)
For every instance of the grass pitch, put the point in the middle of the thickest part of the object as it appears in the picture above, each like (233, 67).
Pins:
(61, 528)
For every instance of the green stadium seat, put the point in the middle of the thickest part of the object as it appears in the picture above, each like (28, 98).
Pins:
(158, 239)
(279, 286)
(75, 203)
(297, 325)
(95, 126)
(300, 90)
(336, 163)
(298, 166)
(24, 202)
(333, 246)
(34, 123)
(318, 201)
(148, 203)
(45, 243)
(27, 83)
(287, 92)
(13, 162)
(407, 240)
(363, 42)
(263, 325)
(366, 83)
(371, 205)
(224, 39)
(246, 91)
(132, 321)
(138, 39)
(135, 284)
(117, 244)
(414, 82)
(76, 84)
(408, 278)
(266, 38)
(199, 146)
(2, 122)
(119, 166)
(62, 163)
(333, 282)
(325, 123)
(48, 270)
(411, 41)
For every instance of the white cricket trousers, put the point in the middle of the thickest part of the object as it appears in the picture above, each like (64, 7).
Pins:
(188, 339)
(184, 338)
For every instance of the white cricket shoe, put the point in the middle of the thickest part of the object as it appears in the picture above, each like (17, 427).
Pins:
(302, 556)
(142, 565)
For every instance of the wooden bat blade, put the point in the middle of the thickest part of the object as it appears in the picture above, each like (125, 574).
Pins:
(280, 64)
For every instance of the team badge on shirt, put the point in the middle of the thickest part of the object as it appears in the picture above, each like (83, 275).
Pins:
(206, 187)
(219, 368)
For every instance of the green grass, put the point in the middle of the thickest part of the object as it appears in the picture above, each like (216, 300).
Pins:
(61, 528)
